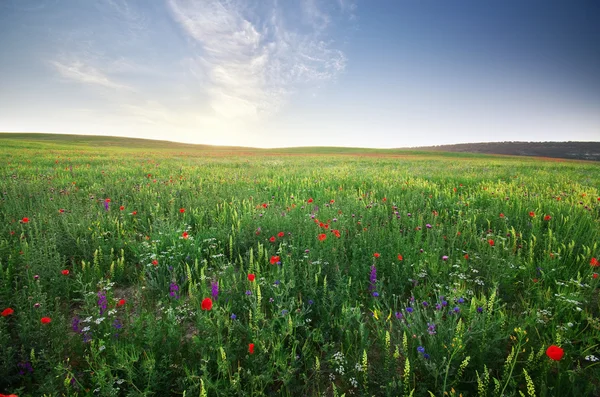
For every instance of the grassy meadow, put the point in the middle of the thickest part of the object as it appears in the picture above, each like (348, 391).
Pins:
(136, 268)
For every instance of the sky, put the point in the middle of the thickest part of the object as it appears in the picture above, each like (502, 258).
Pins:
(281, 73)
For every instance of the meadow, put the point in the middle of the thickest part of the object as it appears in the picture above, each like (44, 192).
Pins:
(144, 270)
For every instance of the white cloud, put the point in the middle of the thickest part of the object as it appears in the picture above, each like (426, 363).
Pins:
(87, 74)
(249, 64)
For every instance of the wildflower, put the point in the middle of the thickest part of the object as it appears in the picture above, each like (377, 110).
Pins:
(531, 214)
(36, 305)
(375, 294)
(372, 278)
(181, 210)
(7, 312)
(480, 309)
(248, 292)
(272, 239)
(428, 226)
(431, 329)
(444, 303)
(36, 277)
(265, 205)
(461, 300)
(25, 220)
(336, 233)
(121, 302)
(64, 272)
(400, 257)
(117, 324)
(185, 235)
(251, 277)
(426, 356)
(275, 259)
(280, 234)
(421, 349)
(155, 262)
(594, 262)
(445, 257)
(214, 289)
(206, 304)
(491, 242)
(501, 215)
(284, 312)
(376, 255)
(555, 353)
(425, 304)
(121, 208)
(102, 303)
(134, 213)
(595, 275)
(46, 320)
(322, 236)
(547, 217)
(173, 288)
(251, 348)
(398, 315)
(310, 302)
(456, 309)
(233, 316)
(409, 309)
(310, 200)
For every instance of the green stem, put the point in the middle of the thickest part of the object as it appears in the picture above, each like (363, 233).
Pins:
(512, 367)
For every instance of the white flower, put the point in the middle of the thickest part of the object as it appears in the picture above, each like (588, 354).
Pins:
(591, 358)
(99, 320)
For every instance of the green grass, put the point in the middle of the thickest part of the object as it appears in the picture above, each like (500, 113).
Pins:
(508, 286)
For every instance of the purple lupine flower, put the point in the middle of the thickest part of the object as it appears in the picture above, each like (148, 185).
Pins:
(102, 302)
(372, 278)
(214, 289)
(75, 324)
(173, 288)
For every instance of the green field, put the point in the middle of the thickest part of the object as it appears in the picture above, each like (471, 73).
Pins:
(169, 269)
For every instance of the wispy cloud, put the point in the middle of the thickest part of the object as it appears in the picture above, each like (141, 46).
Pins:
(86, 74)
(252, 61)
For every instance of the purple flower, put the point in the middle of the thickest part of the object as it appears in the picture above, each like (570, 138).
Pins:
(102, 302)
(445, 257)
(375, 294)
(461, 300)
(372, 278)
(426, 356)
(25, 367)
(106, 205)
(444, 303)
(425, 304)
(233, 316)
(409, 214)
(409, 309)
(431, 329)
(421, 349)
(456, 309)
(399, 315)
(248, 292)
(438, 306)
(214, 289)
(173, 288)
(117, 324)
(284, 312)
(310, 302)
(428, 226)
(75, 324)
(480, 310)
(87, 338)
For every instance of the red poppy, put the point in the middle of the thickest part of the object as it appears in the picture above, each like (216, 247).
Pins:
(322, 236)
(251, 277)
(206, 304)
(121, 302)
(134, 213)
(467, 256)
(594, 262)
(65, 272)
(280, 234)
(532, 214)
(251, 348)
(547, 217)
(61, 210)
(12, 395)
(7, 312)
(181, 210)
(274, 260)
(46, 320)
(25, 220)
(185, 235)
(107, 200)
(336, 233)
(265, 205)
(376, 255)
(384, 199)
(595, 275)
(400, 257)
(491, 242)
(310, 200)
(501, 215)
(155, 262)
(535, 280)
(122, 207)
(555, 353)
(272, 239)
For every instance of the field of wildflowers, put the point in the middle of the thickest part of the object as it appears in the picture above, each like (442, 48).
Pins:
(148, 272)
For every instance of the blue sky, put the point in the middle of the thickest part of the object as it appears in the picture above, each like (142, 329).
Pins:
(274, 73)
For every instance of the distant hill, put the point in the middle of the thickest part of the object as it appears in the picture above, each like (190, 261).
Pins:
(565, 150)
